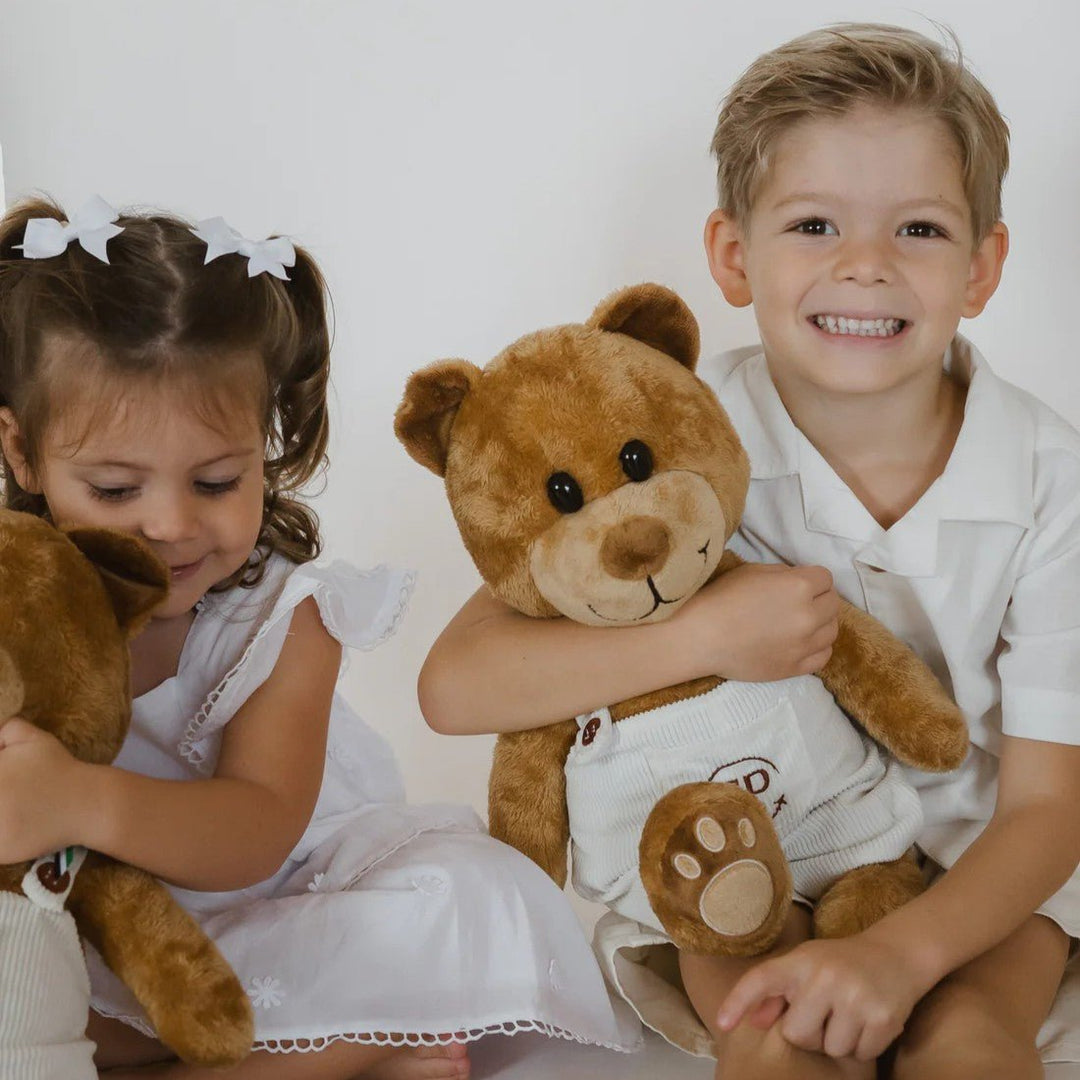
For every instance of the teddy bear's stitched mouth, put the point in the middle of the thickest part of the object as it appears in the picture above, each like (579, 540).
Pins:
(657, 601)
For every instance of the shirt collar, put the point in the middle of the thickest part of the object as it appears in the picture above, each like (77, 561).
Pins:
(988, 476)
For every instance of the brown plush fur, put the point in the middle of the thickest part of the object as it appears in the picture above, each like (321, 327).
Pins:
(566, 400)
(68, 605)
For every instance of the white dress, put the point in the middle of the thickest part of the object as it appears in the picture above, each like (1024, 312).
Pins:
(389, 923)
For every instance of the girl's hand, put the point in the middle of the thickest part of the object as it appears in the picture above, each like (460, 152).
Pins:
(764, 621)
(846, 998)
(38, 801)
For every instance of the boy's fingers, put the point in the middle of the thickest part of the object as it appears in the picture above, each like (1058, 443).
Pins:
(752, 990)
(767, 1013)
(842, 1035)
(819, 578)
(804, 1022)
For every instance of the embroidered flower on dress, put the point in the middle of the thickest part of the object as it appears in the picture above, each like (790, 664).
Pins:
(266, 993)
(316, 883)
(431, 884)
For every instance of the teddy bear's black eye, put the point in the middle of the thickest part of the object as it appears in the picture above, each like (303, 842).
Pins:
(565, 493)
(636, 460)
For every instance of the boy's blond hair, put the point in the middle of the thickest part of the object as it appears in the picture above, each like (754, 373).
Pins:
(828, 72)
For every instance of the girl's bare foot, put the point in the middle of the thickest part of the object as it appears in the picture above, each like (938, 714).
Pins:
(449, 1062)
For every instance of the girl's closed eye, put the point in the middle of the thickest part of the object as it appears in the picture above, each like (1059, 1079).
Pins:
(112, 494)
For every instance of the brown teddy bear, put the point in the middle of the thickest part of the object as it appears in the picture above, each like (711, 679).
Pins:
(69, 602)
(593, 475)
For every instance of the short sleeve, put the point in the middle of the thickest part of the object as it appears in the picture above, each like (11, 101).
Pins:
(1039, 664)
(359, 608)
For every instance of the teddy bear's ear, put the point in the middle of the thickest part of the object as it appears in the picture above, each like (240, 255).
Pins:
(432, 398)
(134, 577)
(652, 314)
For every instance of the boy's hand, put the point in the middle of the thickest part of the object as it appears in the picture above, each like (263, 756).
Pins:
(765, 621)
(846, 997)
(38, 800)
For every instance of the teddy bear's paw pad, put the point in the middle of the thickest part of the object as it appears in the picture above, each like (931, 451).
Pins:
(738, 898)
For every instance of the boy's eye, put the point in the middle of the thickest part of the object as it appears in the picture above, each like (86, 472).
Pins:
(111, 494)
(922, 229)
(218, 487)
(815, 227)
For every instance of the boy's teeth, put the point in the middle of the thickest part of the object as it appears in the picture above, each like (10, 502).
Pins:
(841, 324)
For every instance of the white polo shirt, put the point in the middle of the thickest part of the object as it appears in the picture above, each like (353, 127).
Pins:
(981, 577)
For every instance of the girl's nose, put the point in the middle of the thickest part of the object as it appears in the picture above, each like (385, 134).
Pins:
(170, 520)
(866, 261)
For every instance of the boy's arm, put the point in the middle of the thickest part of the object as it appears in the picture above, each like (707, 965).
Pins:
(223, 833)
(493, 669)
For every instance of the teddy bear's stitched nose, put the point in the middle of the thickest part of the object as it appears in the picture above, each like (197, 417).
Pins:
(635, 548)
(11, 687)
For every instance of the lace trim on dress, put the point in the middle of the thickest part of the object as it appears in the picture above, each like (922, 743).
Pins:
(193, 731)
(379, 1038)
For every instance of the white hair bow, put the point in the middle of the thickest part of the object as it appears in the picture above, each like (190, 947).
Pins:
(271, 256)
(92, 226)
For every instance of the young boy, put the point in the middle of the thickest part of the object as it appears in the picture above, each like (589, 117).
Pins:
(860, 171)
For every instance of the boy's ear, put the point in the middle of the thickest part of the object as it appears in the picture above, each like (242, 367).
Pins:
(726, 251)
(14, 450)
(426, 414)
(986, 265)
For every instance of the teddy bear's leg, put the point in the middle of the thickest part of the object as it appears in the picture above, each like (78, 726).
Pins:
(860, 897)
(713, 870)
(191, 995)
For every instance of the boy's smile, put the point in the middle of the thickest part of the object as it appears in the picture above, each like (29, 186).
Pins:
(858, 253)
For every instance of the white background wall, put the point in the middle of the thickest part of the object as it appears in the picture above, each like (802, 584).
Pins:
(469, 170)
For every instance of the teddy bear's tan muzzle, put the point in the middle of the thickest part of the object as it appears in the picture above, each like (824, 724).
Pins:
(636, 548)
(11, 687)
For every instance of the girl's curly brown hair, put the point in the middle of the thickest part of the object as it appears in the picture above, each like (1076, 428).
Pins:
(156, 312)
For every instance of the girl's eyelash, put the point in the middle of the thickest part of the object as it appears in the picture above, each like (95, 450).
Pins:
(218, 487)
(110, 494)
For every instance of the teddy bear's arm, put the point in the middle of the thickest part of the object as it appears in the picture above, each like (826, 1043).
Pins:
(527, 794)
(879, 681)
(193, 998)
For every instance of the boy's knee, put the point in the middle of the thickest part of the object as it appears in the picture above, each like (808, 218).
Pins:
(957, 1035)
(750, 1054)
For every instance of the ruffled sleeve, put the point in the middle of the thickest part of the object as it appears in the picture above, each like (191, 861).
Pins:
(359, 608)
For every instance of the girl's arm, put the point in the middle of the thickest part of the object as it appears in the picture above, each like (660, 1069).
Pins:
(219, 834)
(867, 985)
(493, 669)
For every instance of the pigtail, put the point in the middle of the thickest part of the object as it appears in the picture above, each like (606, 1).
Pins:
(299, 424)
(17, 274)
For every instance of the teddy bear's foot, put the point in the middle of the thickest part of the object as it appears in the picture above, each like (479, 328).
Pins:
(862, 896)
(713, 870)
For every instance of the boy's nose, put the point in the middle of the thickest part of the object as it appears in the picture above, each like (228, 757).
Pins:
(865, 261)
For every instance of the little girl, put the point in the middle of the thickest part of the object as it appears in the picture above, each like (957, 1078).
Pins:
(171, 382)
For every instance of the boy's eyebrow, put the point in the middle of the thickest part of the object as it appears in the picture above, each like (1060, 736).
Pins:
(937, 201)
